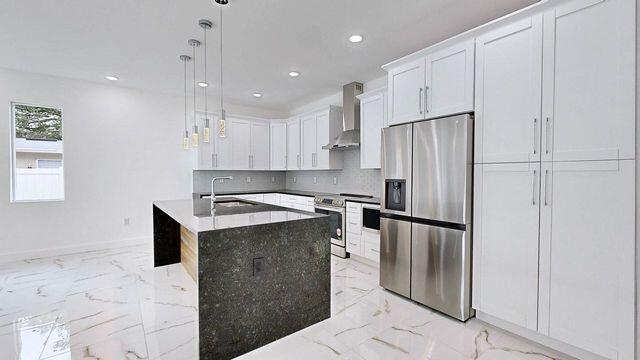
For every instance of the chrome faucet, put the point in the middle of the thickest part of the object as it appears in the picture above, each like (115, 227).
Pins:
(213, 193)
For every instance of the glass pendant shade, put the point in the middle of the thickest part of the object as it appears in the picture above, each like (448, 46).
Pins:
(195, 138)
(206, 133)
(185, 141)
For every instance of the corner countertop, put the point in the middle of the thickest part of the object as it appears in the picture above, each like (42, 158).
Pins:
(373, 200)
(195, 214)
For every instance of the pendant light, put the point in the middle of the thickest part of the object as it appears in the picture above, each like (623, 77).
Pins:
(185, 140)
(195, 137)
(222, 121)
(205, 25)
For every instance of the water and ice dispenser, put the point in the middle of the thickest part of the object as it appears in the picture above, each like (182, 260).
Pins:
(395, 194)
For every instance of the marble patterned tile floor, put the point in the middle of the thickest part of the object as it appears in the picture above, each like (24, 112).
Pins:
(113, 304)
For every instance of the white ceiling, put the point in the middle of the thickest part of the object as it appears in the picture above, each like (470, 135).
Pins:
(140, 40)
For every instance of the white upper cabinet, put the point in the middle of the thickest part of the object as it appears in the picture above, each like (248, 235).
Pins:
(293, 144)
(222, 157)
(406, 92)
(587, 242)
(308, 141)
(239, 131)
(437, 85)
(508, 93)
(589, 81)
(372, 120)
(278, 150)
(449, 81)
(259, 146)
(316, 130)
(206, 150)
(506, 218)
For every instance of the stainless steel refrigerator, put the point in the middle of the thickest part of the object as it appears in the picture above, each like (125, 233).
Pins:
(425, 225)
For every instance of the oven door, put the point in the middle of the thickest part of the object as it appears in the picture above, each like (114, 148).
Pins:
(336, 219)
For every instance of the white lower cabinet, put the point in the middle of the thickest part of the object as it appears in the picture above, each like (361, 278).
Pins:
(554, 250)
(371, 245)
(587, 254)
(506, 237)
(354, 228)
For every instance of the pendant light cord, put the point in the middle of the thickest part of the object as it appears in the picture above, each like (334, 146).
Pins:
(221, 80)
(206, 110)
(195, 125)
(185, 95)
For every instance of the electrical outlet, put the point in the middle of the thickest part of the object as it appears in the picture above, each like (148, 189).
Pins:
(127, 221)
(258, 266)
(315, 179)
(295, 179)
(335, 180)
(248, 179)
(221, 181)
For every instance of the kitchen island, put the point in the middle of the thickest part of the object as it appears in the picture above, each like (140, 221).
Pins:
(263, 271)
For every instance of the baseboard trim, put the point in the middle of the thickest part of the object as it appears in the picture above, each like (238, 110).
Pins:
(73, 249)
(545, 341)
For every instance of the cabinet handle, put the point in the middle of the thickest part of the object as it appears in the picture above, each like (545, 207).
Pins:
(546, 187)
(533, 188)
(214, 160)
(426, 99)
(535, 130)
(420, 99)
(249, 161)
(298, 161)
(546, 145)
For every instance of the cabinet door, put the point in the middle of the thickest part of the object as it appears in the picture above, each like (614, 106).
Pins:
(506, 242)
(240, 136)
(508, 93)
(406, 92)
(589, 80)
(372, 114)
(321, 158)
(259, 145)
(278, 144)
(206, 150)
(223, 158)
(293, 144)
(308, 141)
(449, 81)
(587, 255)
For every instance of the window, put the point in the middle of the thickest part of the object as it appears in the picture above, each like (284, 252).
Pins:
(37, 167)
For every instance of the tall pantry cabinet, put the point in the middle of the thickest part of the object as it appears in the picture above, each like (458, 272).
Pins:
(554, 180)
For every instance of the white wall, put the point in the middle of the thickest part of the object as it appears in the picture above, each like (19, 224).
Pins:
(121, 150)
(336, 99)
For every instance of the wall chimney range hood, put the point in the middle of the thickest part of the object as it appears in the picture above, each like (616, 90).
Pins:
(350, 136)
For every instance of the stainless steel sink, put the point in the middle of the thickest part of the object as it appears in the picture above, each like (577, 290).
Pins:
(233, 204)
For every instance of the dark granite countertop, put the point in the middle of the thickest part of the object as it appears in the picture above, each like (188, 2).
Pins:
(373, 200)
(195, 214)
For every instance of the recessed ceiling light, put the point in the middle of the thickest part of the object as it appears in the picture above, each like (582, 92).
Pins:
(111, 78)
(294, 74)
(355, 38)
(257, 95)
(203, 84)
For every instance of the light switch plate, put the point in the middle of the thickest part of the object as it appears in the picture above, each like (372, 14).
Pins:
(248, 179)
(335, 180)
(273, 179)
(295, 179)
(315, 179)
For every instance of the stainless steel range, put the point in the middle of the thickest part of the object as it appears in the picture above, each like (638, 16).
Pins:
(334, 206)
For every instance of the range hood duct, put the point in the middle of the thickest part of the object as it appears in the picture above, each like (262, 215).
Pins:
(350, 136)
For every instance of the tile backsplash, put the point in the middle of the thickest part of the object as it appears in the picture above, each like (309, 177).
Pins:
(350, 179)
(260, 180)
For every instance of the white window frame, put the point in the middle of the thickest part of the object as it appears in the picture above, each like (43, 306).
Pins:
(13, 161)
